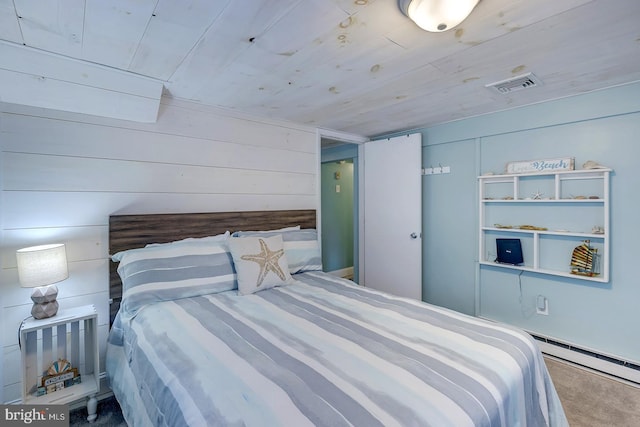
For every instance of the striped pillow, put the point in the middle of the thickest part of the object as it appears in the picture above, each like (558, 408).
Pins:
(300, 246)
(168, 272)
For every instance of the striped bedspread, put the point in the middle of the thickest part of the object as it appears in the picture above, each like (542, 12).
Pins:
(324, 352)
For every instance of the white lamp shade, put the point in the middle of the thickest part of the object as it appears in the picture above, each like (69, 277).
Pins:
(437, 15)
(42, 265)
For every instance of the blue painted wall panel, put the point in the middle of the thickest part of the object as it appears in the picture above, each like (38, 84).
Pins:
(603, 126)
(449, 230)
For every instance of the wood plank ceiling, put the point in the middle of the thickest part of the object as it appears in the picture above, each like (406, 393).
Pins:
(357, 66)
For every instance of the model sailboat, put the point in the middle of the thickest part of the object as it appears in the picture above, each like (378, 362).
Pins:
(584, 260)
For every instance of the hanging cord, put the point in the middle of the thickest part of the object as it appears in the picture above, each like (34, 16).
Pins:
(19, 328)
(520, 286)
(523, 309)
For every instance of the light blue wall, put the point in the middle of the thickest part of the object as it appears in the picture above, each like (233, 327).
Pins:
(603, 126)
(448, 230)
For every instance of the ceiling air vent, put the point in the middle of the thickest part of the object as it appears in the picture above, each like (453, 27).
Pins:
(514, 84)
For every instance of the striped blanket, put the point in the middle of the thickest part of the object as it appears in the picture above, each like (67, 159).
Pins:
(325, 352)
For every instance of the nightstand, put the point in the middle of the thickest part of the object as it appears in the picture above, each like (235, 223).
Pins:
(72, 334)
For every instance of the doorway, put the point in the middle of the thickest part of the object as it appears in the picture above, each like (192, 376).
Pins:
(339, 208)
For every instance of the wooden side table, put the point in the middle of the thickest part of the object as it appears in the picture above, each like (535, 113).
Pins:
(71, 335)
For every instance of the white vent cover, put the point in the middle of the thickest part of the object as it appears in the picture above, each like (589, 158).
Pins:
(514, 84)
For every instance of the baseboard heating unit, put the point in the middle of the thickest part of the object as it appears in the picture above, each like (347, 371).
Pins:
(623, 370)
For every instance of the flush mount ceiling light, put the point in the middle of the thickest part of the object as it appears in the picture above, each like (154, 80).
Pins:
(437, 15)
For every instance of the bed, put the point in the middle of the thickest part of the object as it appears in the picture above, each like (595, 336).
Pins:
(227, 319)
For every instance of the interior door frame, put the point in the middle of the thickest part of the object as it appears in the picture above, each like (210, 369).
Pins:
(353, 139)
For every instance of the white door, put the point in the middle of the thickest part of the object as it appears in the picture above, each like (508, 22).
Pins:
(393, 215)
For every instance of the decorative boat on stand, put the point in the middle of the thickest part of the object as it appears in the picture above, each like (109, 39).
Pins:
(584, 260)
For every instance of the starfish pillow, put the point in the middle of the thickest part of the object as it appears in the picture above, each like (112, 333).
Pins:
(260, 263)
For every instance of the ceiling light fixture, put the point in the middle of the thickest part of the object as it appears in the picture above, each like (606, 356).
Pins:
(437, 15)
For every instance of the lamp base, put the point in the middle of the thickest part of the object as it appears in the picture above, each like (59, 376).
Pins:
(44, 302)
(44, 310)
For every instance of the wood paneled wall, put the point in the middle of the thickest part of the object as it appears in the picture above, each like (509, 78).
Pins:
(63, 174)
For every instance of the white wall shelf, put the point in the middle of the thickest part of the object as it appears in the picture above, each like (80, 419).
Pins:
(565, 199)
(72, 335)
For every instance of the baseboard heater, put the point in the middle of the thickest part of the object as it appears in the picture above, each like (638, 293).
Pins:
(606, 364)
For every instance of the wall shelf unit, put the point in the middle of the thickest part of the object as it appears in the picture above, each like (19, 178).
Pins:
(552, 213)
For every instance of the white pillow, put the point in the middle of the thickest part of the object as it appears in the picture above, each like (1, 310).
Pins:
(260, 263)
(300, 246)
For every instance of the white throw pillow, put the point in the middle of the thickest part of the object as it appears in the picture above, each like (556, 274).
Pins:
(260, 263)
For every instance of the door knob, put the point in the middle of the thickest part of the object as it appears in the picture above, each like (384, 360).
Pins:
(413, 235)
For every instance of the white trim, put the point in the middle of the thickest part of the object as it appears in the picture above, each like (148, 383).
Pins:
(359, 140)
(342, 136)
(586, 357)
(361, 166)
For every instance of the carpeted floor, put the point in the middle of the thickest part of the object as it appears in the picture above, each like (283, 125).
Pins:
(109, 415)
(589, 400)
(593, 400)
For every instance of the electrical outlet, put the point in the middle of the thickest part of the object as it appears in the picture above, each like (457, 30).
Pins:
(542, 305)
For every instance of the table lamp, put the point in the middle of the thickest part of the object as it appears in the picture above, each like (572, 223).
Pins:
(40, 267)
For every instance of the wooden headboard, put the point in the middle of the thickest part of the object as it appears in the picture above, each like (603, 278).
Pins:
(135, 231)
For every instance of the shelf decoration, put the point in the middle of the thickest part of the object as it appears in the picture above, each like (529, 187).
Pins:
(521, 227)
(532, 227)
(590, 164)
(60, 375)
(584, 260)
(544, 165)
